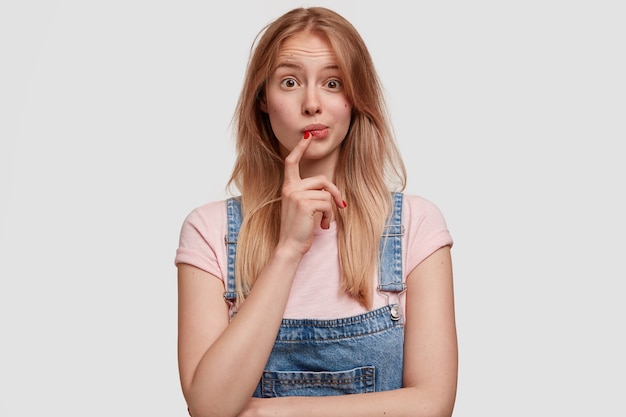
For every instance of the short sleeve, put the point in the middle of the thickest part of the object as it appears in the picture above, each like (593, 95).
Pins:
(201, 240)
(426, 230)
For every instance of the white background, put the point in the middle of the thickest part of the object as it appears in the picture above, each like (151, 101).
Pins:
(114, 124)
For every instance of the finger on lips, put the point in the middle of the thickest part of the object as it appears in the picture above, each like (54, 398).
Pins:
(292, 171)
(292, 161)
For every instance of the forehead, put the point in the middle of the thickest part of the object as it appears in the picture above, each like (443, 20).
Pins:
(305, 45)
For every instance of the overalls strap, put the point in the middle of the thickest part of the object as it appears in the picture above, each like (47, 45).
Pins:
(233, 212)
(390, 252)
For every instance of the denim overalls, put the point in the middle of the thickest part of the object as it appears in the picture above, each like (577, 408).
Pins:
(358, 354)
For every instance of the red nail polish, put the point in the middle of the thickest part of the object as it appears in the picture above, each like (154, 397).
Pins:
(345, 204)
(307, 134)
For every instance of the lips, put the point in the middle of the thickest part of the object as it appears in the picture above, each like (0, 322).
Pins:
(317, 131)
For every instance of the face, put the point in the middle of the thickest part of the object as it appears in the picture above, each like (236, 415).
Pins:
(305, 93)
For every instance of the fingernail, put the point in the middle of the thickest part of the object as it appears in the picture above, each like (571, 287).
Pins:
(345, 204)
(307, 134)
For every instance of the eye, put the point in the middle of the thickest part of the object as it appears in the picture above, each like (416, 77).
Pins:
(289, 82)
(334, 84)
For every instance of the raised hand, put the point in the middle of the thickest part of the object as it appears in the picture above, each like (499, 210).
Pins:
(306, 203)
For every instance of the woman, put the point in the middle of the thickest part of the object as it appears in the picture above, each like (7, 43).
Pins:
(321, 289)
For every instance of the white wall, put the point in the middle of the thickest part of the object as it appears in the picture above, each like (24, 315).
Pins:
(114, 125)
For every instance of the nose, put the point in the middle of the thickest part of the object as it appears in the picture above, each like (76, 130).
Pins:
(311, 104)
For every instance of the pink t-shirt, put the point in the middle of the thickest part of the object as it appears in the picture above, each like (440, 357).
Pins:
(316, 292)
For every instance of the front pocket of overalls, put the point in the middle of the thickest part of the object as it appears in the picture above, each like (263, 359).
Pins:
(319, 384)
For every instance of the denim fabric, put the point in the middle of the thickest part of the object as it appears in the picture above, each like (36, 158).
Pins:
(390, 253)
(358, 354)
(233, 216)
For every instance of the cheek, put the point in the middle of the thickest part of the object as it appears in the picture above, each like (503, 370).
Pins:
(347, 111)
(277, 108)
(345, 106)
(277, 115)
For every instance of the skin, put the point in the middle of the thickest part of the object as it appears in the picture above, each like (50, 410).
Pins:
(221, 363)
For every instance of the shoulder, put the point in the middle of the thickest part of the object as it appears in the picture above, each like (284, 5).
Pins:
(424, 223)
(205, 221)
(418, 208)
(201, 241)
(207, 213)
(426, 229)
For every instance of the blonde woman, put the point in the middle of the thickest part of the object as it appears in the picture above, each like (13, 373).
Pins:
(320, 289)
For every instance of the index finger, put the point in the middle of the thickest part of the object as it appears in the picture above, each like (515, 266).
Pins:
(292, 161)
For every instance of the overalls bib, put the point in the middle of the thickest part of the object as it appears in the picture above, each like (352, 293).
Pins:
(357, 354)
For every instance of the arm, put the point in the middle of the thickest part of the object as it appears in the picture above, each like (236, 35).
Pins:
(430, 358)
(220, 363)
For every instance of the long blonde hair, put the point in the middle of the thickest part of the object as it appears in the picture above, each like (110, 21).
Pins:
(369, 166)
